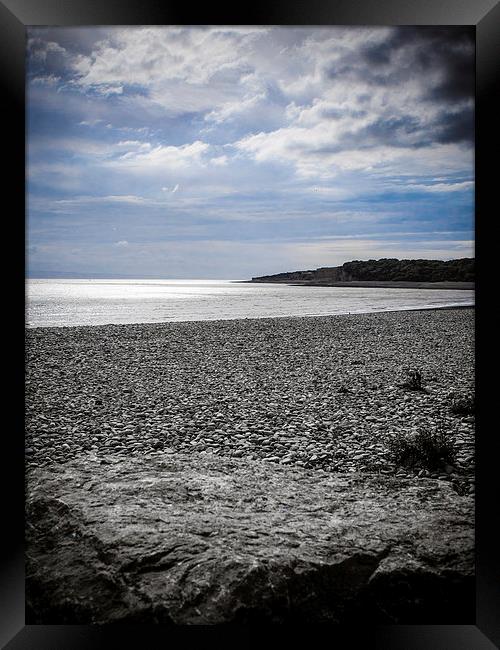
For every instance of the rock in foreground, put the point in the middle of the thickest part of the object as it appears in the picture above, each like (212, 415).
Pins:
(205, 540)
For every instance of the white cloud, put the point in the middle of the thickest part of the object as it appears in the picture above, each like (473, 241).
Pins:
(135, 145)
(219, 161)
(89, 122)
(234, 109)
(46, 80)
(121, 244)
(123, 198)
(162, 59)
(317, 152)
(442, 187)
(162, 158)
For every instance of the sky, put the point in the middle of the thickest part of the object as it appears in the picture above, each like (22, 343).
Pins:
(232, 152)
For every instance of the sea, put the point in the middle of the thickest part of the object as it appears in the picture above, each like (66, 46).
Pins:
(66, 303)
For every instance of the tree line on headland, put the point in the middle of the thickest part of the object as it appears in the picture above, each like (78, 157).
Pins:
(383, 270)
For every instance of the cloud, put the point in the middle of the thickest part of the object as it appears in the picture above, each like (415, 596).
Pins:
(47, 80)
(385, 105)
(316, 152)
(442, 187)
(175, 65)
(447, 51)
(279, 133)
(121, 244)
(126, 198)
(161, 158)
(89, 123)
(144, 55)
(219, 161)
(40, 49)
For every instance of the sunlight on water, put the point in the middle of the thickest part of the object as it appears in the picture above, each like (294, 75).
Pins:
(99, 302)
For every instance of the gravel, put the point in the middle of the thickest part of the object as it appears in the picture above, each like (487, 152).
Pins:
(317, 392)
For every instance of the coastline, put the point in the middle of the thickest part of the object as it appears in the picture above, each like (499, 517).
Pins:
(217, 320)
(382, 284)
(439, 307)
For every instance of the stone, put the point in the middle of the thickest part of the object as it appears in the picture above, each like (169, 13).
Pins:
(201, 540)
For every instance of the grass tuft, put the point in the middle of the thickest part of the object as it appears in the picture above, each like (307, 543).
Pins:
(427, 449)
(412, 379)
(464, 405)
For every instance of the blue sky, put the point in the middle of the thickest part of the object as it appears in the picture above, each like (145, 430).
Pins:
(231, 152)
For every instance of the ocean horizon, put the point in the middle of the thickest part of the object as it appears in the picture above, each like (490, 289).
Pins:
(65, 302)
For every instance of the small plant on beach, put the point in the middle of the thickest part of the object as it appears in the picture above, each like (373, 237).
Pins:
(426, 449)
(463, 404)
(412, 379)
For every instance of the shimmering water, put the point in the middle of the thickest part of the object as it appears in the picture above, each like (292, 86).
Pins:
(52, 303)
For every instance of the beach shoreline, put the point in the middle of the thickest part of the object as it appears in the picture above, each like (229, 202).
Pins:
(366, 284)
(314, 392)
(216, 320)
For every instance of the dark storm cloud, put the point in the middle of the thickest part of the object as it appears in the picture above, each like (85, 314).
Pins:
(404, 132)
(458, 127)
(448, 127)
(447, 49)
(399, 132)
(407, 131)
(411, 52)
(441, 61)
(393, 131)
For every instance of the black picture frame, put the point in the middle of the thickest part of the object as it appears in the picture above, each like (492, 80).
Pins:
(15, 16)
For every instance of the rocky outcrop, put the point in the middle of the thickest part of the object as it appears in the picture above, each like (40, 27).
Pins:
(390, 270)
(202, 540)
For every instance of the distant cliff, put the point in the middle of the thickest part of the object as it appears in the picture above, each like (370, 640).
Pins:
(384, 270)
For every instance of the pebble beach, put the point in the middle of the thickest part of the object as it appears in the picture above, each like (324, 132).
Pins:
(321, 393)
